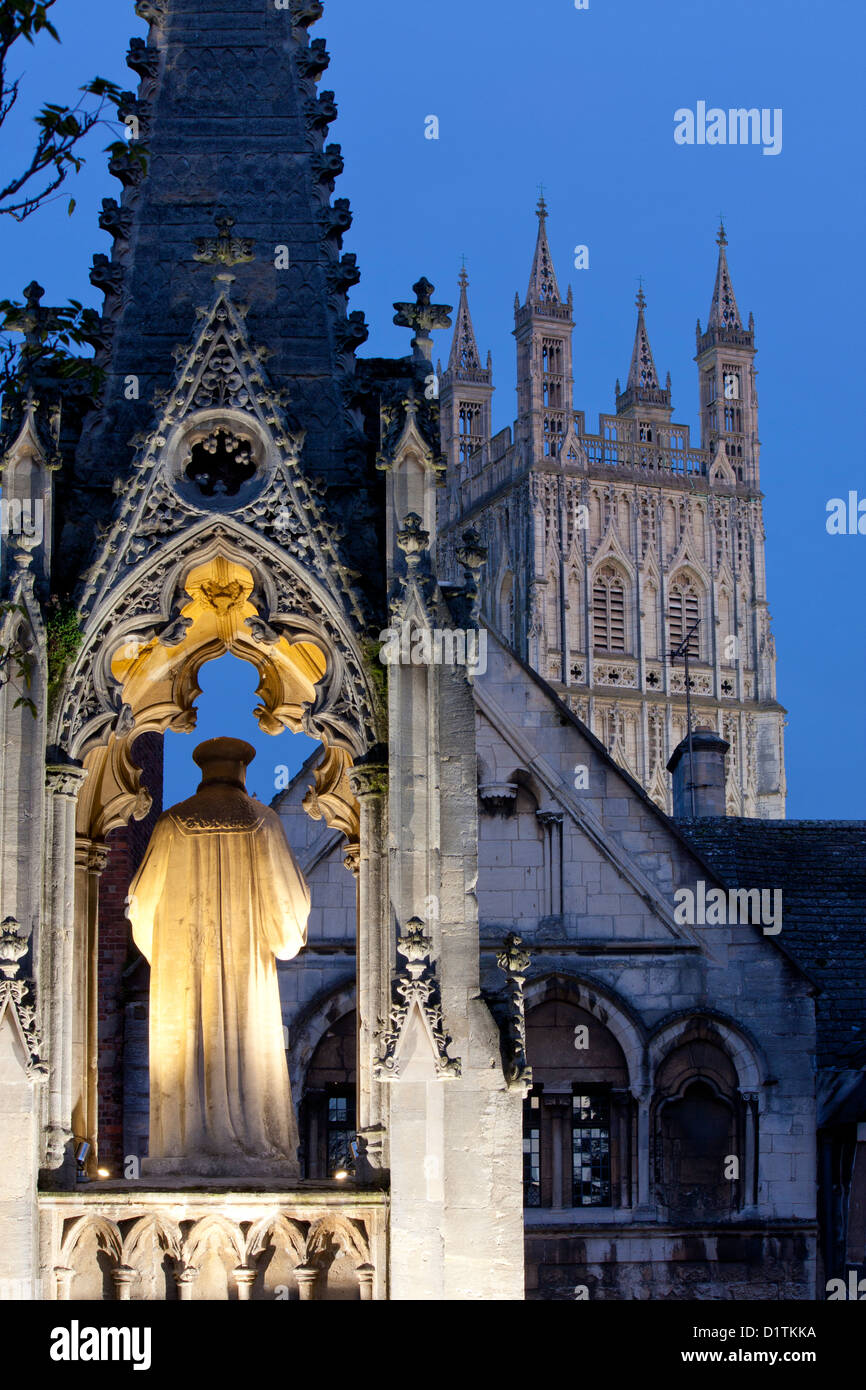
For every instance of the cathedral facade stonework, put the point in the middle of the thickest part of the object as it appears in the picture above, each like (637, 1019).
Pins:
(610, 554)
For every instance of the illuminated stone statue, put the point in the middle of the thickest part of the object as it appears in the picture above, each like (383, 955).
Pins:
(217, 900)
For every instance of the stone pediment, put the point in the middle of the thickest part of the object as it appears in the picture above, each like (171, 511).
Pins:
(224, 452)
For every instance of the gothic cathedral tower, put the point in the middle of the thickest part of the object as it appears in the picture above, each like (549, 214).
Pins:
(612, 554)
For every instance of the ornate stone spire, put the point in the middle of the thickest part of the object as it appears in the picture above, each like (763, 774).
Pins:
(642, 388)
(254, 158)
(465, 359)
(543, 286)
(724, 313)
(642, 375)
(725, 324)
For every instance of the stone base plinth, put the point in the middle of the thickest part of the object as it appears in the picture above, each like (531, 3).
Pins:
(229, 1169)
(164, 1242)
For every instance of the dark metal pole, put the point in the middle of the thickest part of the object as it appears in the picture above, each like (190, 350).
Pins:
(689, 725)
(683, 650)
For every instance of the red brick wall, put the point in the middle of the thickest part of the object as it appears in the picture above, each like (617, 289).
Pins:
(117, 951)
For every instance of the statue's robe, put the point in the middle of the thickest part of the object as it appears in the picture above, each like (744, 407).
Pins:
(218, 897)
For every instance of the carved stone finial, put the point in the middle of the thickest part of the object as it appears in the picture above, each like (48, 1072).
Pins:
(16, 995)
(413, 540)
(423, 317)
(515, 960)
(224, 249)
(154, 11)
(415, 986)
(415, 945)
(33, 320)
(13, 946)
(472, 554)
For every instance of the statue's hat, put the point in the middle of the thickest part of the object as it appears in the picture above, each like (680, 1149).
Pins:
(224, 760)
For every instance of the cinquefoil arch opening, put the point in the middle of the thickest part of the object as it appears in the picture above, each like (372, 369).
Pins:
(137, 672)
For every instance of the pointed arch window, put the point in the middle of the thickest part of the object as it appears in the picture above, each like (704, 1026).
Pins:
(578, 1118)
(506, 608)
(574, 614)
(684, 609)
(469, 429)
(608, 618)
(651, 623)
(554, 617)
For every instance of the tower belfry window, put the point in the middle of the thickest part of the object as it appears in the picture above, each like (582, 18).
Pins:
(469, 429)
(683, 612)
(608, 601)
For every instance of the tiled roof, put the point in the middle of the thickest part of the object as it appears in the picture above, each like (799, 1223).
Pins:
(820, 866)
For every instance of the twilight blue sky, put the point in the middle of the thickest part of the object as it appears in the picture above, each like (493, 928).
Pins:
(583, 101)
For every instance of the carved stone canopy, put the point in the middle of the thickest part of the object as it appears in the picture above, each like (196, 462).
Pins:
(306, 685)
(498, 798)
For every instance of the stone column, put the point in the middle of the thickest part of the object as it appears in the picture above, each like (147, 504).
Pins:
(369, 784)
(455, 1123)
(366, 1274)
(63, 1283)
(643, 1156)
(620, 1134)
(552, 823)
(307, 1279)
(245, 1278)
(123, 1276)
(90, 861)
(22, 739)
(185, 1279)
(22, 1078)
(749, 1184)
(56, 957)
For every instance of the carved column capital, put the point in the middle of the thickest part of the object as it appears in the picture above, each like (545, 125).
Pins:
(56, 1140)
(307, 1277)
(97, 858)
(245, 1278)
(185, 1278)
(91, 855)
(64, 779)
(123, 1276)
(63, 1278)
(366, 1275)
(352, 859)
(368, 779)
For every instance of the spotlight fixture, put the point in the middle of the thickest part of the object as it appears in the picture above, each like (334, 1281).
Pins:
(81, 1152)
(103, 1173)
(341, 1175)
